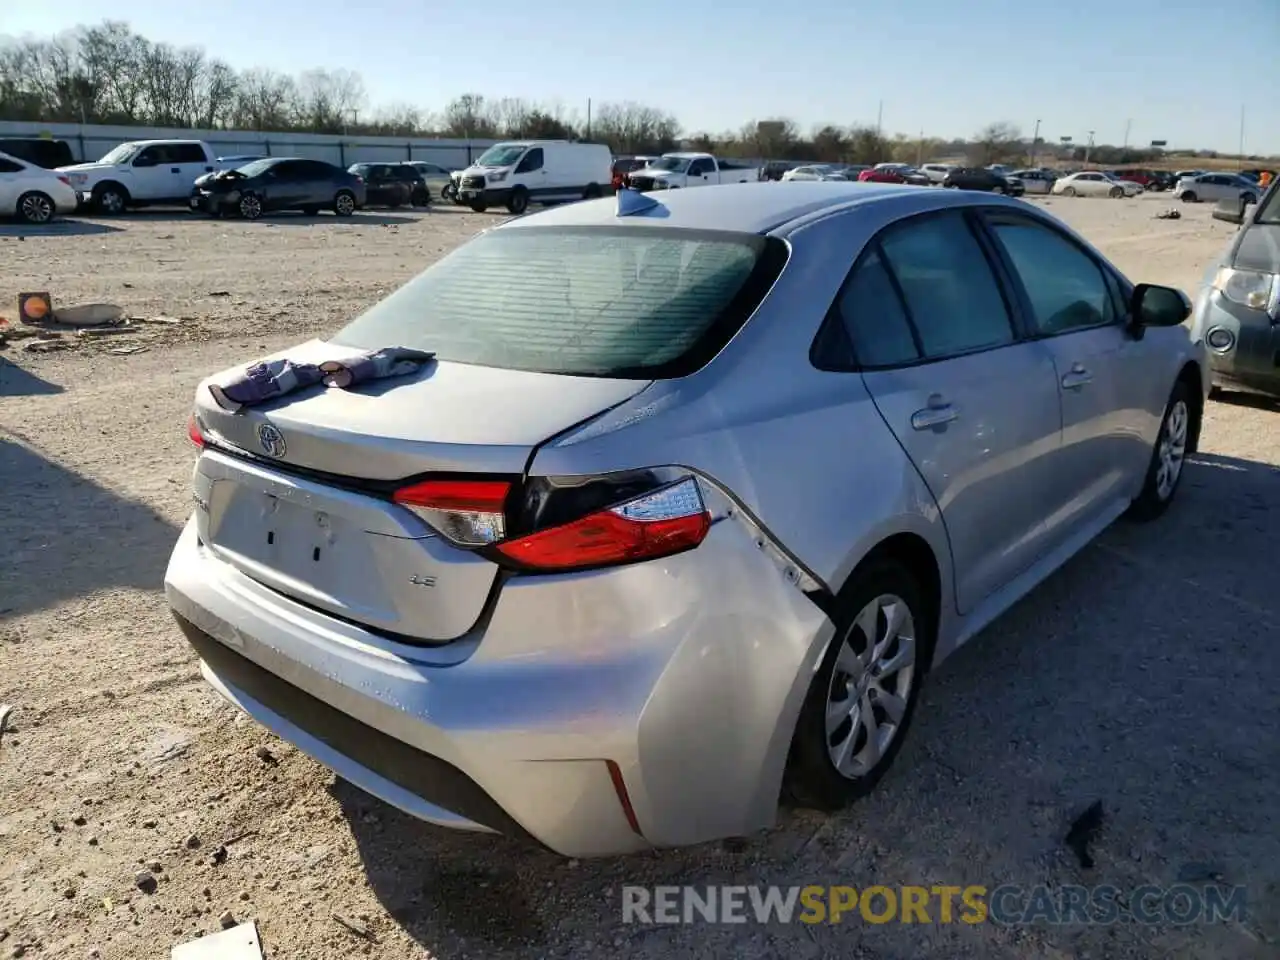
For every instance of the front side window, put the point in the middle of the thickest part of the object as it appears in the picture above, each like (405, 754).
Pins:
(951, 294)
(602, 301)
(532, 161)
(1066, 287)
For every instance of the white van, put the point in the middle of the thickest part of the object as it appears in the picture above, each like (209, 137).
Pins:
(519, 172)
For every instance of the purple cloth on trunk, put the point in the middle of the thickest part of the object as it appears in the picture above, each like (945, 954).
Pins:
(270, 379)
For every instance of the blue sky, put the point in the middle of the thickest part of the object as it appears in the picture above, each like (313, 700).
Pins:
(1180, 70)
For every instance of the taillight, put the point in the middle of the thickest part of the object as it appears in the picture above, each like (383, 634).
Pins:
(567, 523)
(471, 513)
(66, 180)
(668, 520)
(194, 433)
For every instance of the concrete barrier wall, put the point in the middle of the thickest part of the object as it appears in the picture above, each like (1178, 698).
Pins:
(91, 142)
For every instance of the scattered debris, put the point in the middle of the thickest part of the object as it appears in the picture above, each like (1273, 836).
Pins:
(80, 820)
(1083, 832)
(169, 321)
(267, 757)
(34, 307)
(360, 931)
(5, 710)
(145, 881)
(89, 315)
(149, 824)
(1170, 214)
(93, 840)
(125, 351)
(219, 293)
(154, 865)
(226, 919)
(219, 855)
(192, 842)
(239, 942)
(46, 346)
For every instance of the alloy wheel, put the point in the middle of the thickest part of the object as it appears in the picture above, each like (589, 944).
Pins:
(36, 208)
(1173, 449)
(871, 686)
(345, 204)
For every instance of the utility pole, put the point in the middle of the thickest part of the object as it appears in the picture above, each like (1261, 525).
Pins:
(588, 118)
(920, 148)
(1087, 148)
(879, 118)
(1128, 125)
(1035, 141)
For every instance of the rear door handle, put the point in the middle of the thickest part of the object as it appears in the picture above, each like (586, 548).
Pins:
(1077, 378)
(934, 415)
(174, 170)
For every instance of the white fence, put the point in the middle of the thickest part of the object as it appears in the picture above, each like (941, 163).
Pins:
(91, 142)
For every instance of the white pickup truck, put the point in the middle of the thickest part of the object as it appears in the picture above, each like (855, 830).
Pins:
(140, 173)
(674, 170)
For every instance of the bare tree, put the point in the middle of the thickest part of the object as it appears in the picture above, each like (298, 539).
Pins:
(996, 143)
(329, 101)
(634, 128)
(468, 116)
(265, 101)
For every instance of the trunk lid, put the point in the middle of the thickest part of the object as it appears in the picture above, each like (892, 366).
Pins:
(338, 543)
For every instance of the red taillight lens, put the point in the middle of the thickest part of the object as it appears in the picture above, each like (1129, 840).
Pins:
(657, 524)
(65, 180)
(194, 434)
(468, 512)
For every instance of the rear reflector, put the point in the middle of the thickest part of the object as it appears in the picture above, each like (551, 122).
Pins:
(194, 433)
(468, 512)
(657, 524)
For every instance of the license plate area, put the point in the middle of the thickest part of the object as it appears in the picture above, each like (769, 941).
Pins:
(296, 543)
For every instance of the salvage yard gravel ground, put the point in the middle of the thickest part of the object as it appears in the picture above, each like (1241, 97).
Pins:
(137, 810)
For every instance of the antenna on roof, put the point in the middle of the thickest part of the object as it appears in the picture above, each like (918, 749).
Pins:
(631, 202)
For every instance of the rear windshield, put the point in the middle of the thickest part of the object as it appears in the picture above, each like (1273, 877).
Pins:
(642, 303)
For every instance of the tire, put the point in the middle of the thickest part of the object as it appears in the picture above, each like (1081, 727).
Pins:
(35, 208)
(1189, 197)
(1069, 192)
(250, 206)
(479, 207)
(518, 202)
(311, 211)
(1115, 193)
(1168, 457)
(421, 198)
(1003, 191)
(593, 192)
(449, 192)
(110, 199)
(827, 776)
(344, 203)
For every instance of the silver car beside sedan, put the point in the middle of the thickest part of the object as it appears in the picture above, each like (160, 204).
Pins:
(695, 493)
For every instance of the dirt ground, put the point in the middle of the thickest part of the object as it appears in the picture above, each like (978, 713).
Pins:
(1143, 674)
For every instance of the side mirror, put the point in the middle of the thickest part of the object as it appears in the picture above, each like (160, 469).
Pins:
(1156, 306)
(1232, 211)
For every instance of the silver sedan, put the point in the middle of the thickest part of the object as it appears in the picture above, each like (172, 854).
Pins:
(692, 496)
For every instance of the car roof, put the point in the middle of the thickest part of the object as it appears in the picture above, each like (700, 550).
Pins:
(747, 207)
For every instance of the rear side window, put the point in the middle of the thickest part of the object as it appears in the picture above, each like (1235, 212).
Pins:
(186, 153)
(8, 166)
(950, 292)
(873, 316)
(608, 301)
